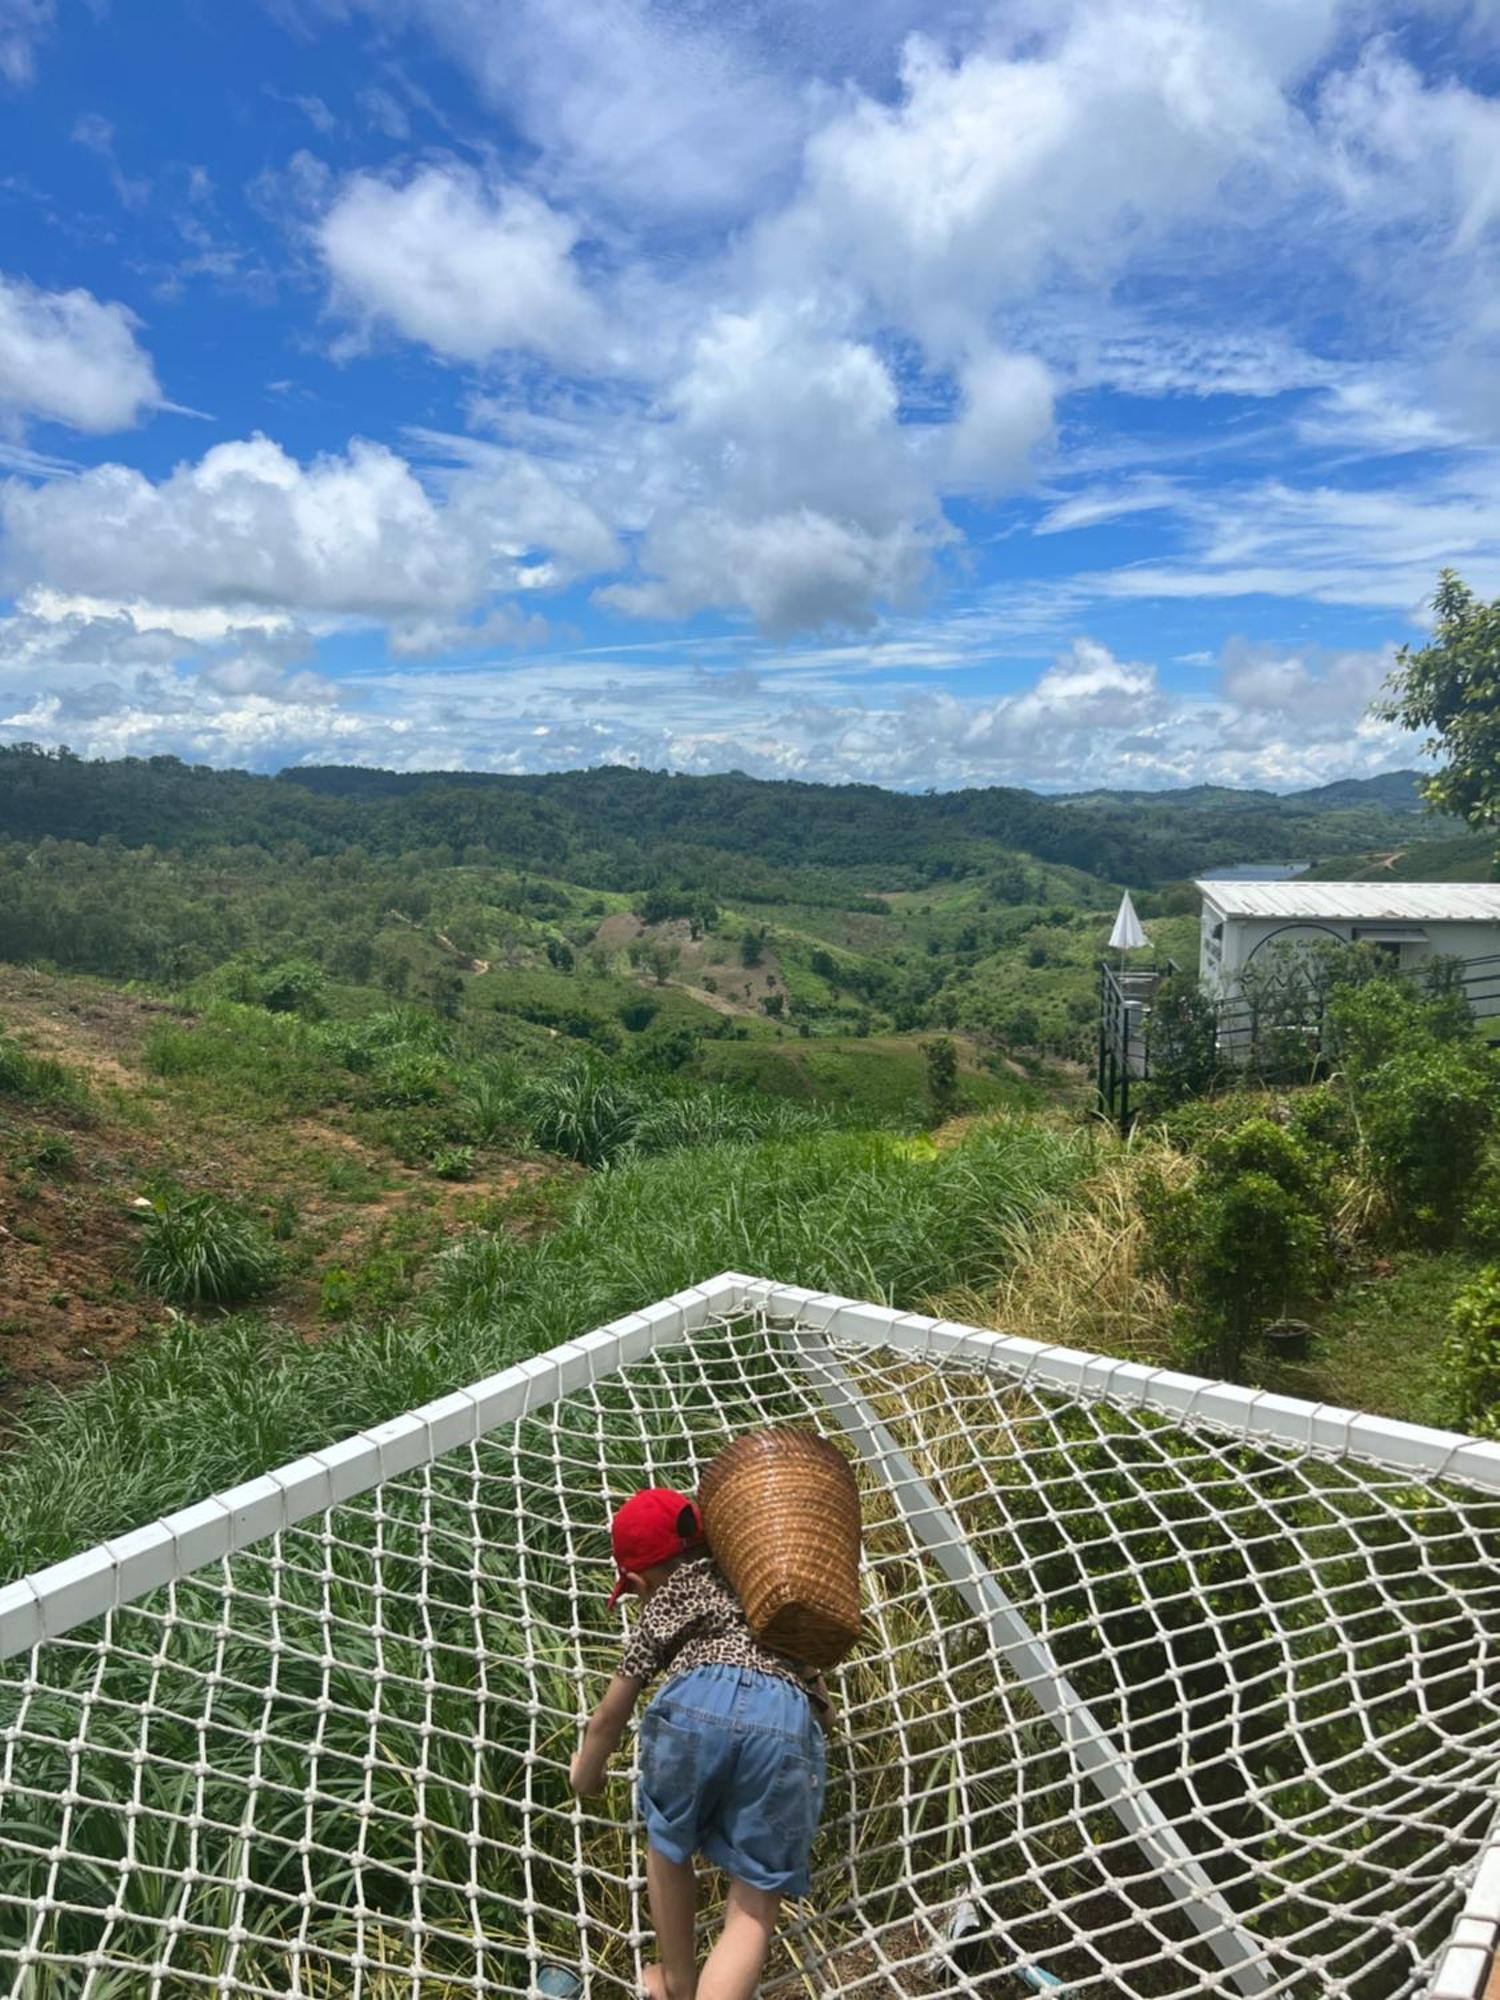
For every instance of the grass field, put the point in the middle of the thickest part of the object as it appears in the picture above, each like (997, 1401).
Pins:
(883, 1077)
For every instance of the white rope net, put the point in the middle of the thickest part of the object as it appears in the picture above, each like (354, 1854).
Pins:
(336, 1762)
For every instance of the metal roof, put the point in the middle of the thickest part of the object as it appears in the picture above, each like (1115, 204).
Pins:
(1359, 902)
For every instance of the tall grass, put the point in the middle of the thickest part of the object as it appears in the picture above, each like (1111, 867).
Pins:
(856, 1213)
(598, 1113)
(201, 1250)
(38, 1079)
(1080, 1276)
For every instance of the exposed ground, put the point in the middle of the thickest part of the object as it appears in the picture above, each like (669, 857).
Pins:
(353, 1221)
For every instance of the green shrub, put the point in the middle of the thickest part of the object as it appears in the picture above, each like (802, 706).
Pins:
(1426, 1115)
(1373, 1024)
(1471, 1356)
(1260, 1146)
(405, 1076)
(454, 1163)
(202, 1250)
(284, 986)
(1320, 1117)
(1244, 1242)
(1184, 1043)
(1193, 1126)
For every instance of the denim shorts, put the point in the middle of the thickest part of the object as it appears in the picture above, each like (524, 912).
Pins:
(733, 1767)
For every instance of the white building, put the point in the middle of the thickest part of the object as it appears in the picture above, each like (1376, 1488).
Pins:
(1412, 921)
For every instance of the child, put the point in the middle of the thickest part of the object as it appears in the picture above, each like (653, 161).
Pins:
(732, 1755)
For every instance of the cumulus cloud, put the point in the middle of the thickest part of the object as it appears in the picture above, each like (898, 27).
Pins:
(998, 170)
(1280, 719)
(72, 359)
(792, 572)
(1006, 414)
(468, 268)
(348, 535)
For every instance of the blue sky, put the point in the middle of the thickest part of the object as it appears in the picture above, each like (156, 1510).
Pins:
(1062, 393)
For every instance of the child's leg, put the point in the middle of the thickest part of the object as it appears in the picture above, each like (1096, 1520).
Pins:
(736, 1962)
(673, 1889)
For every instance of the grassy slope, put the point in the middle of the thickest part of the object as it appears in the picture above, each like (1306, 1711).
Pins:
(883, 1076)
(1468, 858)
(862, 1214)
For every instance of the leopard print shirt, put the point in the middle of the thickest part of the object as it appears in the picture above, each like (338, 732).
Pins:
(695, 1620)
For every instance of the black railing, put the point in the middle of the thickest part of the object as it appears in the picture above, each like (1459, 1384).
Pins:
(1279, 1031)
(1125, 996)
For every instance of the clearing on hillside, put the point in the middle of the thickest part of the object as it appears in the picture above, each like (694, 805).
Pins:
(1168, 1688)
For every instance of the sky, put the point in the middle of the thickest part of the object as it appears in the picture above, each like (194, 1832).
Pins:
(1058, 393)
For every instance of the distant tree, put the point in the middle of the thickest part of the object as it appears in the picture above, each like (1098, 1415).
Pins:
(1451, 688)
(942, 1076)
(445, 992)
(1021, 1027)
(752, 947)
(662, 958)
(775, 1005)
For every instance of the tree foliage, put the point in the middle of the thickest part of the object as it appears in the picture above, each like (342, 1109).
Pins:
(1451, 688)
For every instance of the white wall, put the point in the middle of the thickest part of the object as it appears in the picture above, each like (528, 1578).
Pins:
(1221, 959)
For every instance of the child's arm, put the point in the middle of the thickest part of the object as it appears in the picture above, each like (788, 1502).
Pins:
(822, 1701)
(602, 1736)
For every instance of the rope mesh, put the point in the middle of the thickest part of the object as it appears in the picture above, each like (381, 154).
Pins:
(336, 1762)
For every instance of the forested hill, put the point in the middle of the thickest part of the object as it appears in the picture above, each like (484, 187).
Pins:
(622, 828)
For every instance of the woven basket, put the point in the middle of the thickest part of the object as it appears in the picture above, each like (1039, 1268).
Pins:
(781, 1513)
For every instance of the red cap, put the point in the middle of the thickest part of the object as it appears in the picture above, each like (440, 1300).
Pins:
(650, 1528)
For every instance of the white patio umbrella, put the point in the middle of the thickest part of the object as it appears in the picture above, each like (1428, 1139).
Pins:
(1127, 934)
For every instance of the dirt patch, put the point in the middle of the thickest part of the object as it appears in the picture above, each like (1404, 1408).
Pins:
(331, 1198)
(619, 929)
(68, 1240)
(94, 1030)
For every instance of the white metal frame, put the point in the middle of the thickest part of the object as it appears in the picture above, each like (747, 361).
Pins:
(54, 1601)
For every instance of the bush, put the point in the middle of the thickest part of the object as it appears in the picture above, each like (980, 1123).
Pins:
(487, 1102)
(284, 986)
(1427, 1114)
(1371, 1024)
(1471, 1356)
(1244, 1242)
(1260, 1146)
(1184, 1042)
(201, 1250)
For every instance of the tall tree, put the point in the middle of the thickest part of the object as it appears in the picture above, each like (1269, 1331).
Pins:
(1451, 688)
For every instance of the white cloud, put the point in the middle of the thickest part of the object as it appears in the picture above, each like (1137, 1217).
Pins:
(439, 638)
(792, 572)
(640, 104)
(248, 525)
(1362, 545)
(70, 358)
(1058, 156)
(1279, 718)
(1006, 414)
(23, 23)
(775, 413)
(466, 268)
